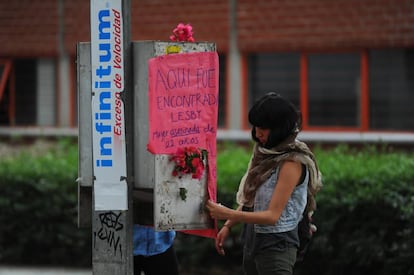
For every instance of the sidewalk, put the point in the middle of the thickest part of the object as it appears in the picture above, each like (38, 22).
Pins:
(14, 270)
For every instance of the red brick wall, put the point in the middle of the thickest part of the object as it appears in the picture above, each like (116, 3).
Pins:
(155, 20)
(77, 23)
(29, 27)
(324, 24)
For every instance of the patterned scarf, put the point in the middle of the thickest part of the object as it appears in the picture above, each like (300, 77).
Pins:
(265, 160)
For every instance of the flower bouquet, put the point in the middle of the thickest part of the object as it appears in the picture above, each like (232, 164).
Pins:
(189, 160)
(182, 33)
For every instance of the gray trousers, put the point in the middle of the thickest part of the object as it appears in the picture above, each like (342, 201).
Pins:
(270, 263)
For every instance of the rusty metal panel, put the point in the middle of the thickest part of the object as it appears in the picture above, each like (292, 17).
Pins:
(143, 160)
(84, 86)
(85, 168)
(179, 202)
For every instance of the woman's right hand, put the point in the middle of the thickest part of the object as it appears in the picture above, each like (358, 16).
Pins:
(221, 237)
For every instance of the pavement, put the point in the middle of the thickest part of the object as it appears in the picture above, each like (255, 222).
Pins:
(15, 270)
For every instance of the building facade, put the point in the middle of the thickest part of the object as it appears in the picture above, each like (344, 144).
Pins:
(347, 64)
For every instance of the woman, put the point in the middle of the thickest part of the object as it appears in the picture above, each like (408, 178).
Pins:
(277, 189)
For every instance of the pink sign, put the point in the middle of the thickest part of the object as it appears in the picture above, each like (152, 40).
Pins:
(183, 106)
(183, 95)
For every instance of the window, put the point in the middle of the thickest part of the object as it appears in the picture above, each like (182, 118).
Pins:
(360, 91)
(28, 92)
(333, 89)
(274, 72)
(391, 89)
(25, 72)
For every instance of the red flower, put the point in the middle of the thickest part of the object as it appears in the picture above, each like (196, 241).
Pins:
(195, 162)
(199, 172)
(189, 160)
(183, 33)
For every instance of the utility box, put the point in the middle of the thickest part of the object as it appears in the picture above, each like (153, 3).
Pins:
(179, 202)
(173, 202)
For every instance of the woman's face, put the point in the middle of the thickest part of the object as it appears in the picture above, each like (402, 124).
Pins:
(262, 135)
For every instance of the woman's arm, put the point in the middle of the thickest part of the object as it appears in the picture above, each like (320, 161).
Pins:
(230, 223)
(288, 178)
(224, 233)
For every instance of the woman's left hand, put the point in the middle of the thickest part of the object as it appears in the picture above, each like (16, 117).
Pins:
(218, 211)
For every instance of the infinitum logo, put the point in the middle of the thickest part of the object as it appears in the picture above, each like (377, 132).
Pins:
(103, 91)
(107, 84)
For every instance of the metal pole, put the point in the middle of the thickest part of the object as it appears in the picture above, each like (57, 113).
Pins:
(128, 104)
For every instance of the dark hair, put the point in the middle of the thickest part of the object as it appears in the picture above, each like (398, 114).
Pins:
(278, 114)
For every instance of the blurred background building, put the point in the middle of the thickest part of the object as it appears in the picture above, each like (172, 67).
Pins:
(348, 64)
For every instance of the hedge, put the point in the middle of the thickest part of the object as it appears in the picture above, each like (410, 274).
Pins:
(365, 214)
(39, 208)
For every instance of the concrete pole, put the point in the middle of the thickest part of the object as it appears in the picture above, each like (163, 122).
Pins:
(112, 230)
(235, 90)
(63, 69)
